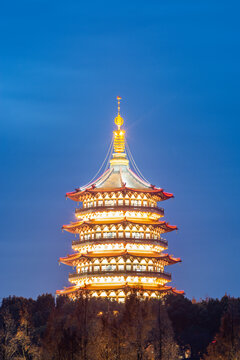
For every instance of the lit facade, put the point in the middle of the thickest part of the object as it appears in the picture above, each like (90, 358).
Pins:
(119, 230)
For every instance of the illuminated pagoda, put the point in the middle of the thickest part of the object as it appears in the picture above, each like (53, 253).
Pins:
(119, 242)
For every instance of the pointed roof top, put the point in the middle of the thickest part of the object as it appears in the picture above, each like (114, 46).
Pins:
(119, 175)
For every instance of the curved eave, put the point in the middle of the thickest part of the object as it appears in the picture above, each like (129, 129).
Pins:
(67, 290)
(73, 289)
(78, 194)
(73, 227)
(70, 259)
(173, 290)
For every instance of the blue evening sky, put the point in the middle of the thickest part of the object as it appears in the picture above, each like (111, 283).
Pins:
(176, 65)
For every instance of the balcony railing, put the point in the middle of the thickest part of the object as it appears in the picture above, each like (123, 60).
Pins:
(125, 240)
(159, 274)
(152, 209)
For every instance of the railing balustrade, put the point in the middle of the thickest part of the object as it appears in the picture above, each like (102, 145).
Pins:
(125, 207)
(163, 274)
(150, 241)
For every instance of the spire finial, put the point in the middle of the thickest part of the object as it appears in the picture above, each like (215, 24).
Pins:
(119, 119)
(118, 100)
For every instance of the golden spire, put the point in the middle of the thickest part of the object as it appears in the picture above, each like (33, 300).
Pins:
(119, 135)
(119, 156)
(118, 119)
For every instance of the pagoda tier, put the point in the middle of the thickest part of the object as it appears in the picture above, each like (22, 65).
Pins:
(121, 257)
(104, 244)
(119, 245)
(136, 211)
(118, 291)
(141, 226)
(151, 193)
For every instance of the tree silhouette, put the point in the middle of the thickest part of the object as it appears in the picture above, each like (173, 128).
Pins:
(226, 344)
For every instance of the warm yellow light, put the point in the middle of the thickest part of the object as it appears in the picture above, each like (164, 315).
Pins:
(116, 246)
(113, 215)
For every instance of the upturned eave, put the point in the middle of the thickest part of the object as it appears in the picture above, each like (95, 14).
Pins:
(75, 226)
(79, 195)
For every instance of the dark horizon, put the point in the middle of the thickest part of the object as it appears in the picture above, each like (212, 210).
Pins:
(176, 67)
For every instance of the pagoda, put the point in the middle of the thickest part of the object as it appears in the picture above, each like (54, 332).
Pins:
(119, 230)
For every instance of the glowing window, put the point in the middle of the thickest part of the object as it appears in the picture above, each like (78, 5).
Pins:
(109, 267)
(109, 235)
(136, 235)
(110, 202)
(139, 267)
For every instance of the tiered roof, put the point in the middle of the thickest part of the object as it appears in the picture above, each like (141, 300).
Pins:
(122, 180)
(74, 227)
(160, 288)
(70, 259)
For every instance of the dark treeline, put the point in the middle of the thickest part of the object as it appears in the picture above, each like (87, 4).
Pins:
(95, 329)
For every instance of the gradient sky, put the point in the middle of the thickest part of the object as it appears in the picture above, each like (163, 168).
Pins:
(176, 66)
